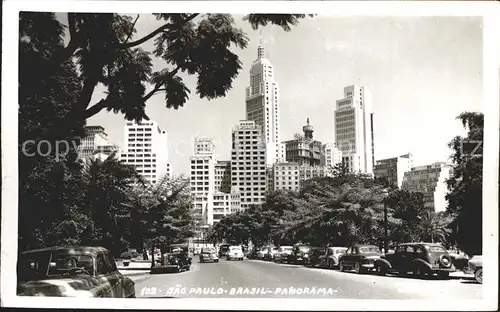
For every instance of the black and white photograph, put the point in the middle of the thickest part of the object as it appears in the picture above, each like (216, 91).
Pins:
(249, 153)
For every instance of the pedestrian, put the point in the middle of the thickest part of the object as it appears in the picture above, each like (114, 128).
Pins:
(145, 255)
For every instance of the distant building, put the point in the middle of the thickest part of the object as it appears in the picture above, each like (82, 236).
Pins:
(332, 154)
(146, 148)
(223, 176)
(393, 169)
(304, 149)
(248, 163)
(354, 129)
(291, 176)
(221, 206)
(431, 182)
(96, 144)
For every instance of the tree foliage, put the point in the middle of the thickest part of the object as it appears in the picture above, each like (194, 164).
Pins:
(465, 184)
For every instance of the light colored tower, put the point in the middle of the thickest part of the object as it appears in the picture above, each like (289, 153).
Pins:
(248, 164)
(262, 104)
(146, 148)
(354, 129)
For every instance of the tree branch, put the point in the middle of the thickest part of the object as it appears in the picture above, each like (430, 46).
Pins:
(91, 111)
(158, 85)
(74, 40)
(132, 29)
(155, 32)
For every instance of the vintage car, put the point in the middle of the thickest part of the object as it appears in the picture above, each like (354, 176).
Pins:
(271, 252)
(235, 253)
(208, 255)
(299, 254)
(475, 266)
(223, 250)
(330, 258)
(419, 258)
(282, 254)
(361, 259)
(261, 253)
(176, 258)
(313, 255)
(85, 272)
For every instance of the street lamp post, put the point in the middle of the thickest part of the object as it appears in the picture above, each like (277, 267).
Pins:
(386, 242)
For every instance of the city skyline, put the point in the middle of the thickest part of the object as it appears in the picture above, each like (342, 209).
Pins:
(356, 56)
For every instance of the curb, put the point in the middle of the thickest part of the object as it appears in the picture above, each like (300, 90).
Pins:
(133, 269)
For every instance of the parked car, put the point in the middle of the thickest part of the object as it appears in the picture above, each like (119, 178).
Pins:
(271, 251)
(330, 258)
(235, 252)
(475, 266)
(176, 258)
(459, 260)
(299, 254)
(313, 255)
(71, 272)
(252, 254)
(282, 254)
(223, 250)
(361, 259)
(208, 255)
(419, 258)
(261, 253)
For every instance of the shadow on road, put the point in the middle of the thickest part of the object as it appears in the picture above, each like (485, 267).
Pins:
(469, 282)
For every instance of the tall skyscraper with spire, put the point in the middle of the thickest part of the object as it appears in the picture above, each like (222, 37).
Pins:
(262, 104)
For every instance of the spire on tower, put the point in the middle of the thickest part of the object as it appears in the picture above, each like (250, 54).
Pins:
(260, 49)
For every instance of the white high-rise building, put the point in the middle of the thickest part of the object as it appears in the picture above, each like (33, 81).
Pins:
(431, 182)
(332, 155)
(146, 148)
(202, 178)
(262, 105)
(354, 129)
(96, 144)
(248, 163)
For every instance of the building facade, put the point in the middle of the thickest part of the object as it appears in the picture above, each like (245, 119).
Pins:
(146, 148)
(393, 169)
(262, 104)
(248, 163)
(354, 129)
(332, 154)
(431, 182)
(291, 176)
(202, 179)
(96, 144)
(304, 149)
(223, 176)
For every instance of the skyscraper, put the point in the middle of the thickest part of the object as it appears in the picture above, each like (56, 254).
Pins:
(354, 129)
(393, 169)
(248, 163)
(262, 104)
(146, 149)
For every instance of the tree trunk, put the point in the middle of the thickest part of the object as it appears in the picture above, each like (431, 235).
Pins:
(152, 255)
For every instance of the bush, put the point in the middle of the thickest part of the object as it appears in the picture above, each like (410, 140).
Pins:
(135, 254)
(126, 255)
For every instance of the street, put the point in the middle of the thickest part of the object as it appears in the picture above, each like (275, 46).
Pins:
(254, 278)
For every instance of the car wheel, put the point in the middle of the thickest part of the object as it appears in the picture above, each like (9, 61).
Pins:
(417, 271)
(479, 276)
(381, 270)
(178, 268)
(217, 261)
(357, 268)
(329, 264)
(341, 267)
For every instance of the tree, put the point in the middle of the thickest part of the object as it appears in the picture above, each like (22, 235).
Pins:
(465, 184)
(105, 50)
(409, 208)
(163, 212)
(434, 227)
(107, 185)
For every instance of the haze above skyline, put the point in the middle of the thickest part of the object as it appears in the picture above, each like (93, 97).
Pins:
(421, 71)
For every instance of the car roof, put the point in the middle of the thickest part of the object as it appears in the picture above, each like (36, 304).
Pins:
(422, 244)
(364, 245)
(69, 249)
(336, 247)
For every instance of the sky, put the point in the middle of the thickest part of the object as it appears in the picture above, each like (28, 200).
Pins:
(422, 73)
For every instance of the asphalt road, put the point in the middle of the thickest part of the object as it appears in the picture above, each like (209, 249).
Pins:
(259, 279)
